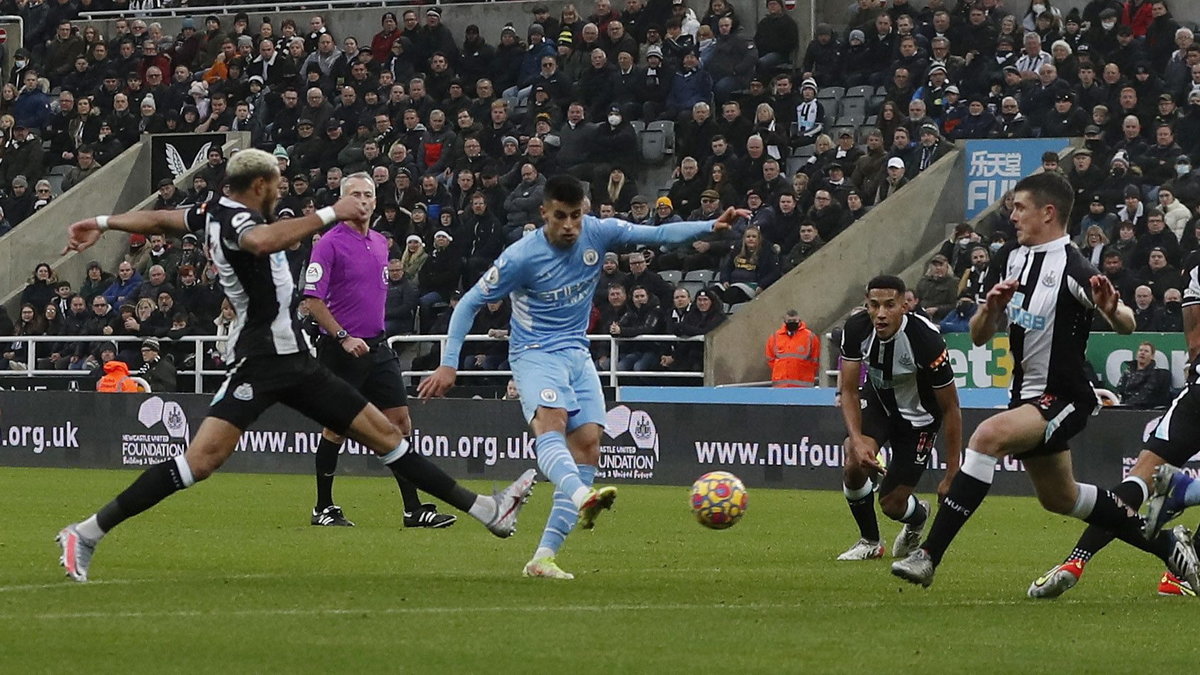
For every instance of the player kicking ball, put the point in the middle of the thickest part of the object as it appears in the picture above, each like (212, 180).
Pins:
(908, 394)
(1049, 293)
(1175, 439)
(550, 276)
(270, 357)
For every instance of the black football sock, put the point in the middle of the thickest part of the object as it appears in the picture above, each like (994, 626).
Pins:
(412, 501)
(1095, 538)
(1112, 513)
(862, 507)
(965, 496)
(326, 466)
(154, 485)
(426, 476)
(916, 513)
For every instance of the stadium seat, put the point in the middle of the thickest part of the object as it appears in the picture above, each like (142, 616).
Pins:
(795, 163)
(849, 121)
(667, 127)
(693, 286)
(832, 107)
(808, 150)
(671, 276)
(835, 93)
(872, 120)
(863, 91)
(705, 276)
(854, 107)
(652, 144)
(863, 131)
(638, 126)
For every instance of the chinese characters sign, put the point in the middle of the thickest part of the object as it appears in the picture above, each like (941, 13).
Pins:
(995, 166)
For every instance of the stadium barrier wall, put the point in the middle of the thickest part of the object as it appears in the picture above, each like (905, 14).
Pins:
(662, 444)
(829, 283)
(119, 186)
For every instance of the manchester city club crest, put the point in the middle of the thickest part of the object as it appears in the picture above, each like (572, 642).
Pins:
(590, 257)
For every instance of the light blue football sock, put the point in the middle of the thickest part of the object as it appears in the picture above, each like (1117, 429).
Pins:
(556, 463)
(563, 515)
(1191, 494)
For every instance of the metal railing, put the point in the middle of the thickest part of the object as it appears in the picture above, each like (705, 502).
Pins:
(612, 374)
(30, 370)
(199, 342)
(266, 7)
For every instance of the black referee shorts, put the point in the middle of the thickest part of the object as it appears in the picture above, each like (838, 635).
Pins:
(375, 374)
(910, 446)
(1176, 437)
(1065, 418)
(256, 383)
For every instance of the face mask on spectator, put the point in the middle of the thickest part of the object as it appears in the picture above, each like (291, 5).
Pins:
(995, 246)
(964, 241)
(1118, 171)
(792, 326)
(20, 64)
(1108, 25)
(1183, 169)
(614, 119)
(1174, 306)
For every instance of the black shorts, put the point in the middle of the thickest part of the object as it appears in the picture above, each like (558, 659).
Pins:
(375, 374)
(295, 380)
(1176, 437)
(910, 445)
(1065, 417)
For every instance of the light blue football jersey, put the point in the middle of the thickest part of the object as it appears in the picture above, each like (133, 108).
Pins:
(551, 288)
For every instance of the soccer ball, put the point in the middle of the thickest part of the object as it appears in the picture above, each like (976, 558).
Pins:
(718, 500)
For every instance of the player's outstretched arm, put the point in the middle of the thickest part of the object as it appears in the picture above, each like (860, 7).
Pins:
(947, 398)
(677, 233)
(1108, 302)
(84, 234)
(987, 319)
(280, 235)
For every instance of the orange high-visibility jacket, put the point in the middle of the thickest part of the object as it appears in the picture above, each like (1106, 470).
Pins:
(794, 359)
(116, 378)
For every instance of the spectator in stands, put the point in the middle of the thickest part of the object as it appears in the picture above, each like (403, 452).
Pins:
(32, 106)
(95, 282)
(1175, 213)
(611, 312)
(23, 155)
(30, 323)
(157, 369)
(156, 282)
(492, 321)
(39, 288)
(640, 275)
(893, 179)
(690, 85)
(809, 242)
(1146, 310)
(777, 36)
(1094, 241)
(42, 194)
(438, 277)
(1143, 384)
(748, 270)
(1158, 274)
(938, 289)
(523, 204)
(642, 318)
(86, 165)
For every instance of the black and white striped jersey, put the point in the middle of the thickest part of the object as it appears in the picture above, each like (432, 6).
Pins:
(1191, 296)
(260, 288)
(1049, 317)
(904, 370)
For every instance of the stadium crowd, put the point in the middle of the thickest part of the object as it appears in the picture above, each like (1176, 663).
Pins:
(459, 134)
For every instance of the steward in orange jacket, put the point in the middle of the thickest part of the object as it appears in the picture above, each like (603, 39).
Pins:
(116, 378)
(794, 354)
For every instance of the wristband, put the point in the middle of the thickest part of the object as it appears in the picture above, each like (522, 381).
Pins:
(326, 215)
(102, 223)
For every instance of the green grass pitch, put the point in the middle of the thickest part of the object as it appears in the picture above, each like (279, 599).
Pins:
(229, 577)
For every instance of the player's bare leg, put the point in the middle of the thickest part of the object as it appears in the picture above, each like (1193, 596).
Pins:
(212, 445)
(498, 512)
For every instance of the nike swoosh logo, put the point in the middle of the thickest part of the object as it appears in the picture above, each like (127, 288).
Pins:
(515, 503)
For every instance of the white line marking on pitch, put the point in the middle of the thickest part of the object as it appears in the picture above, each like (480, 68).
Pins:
(508, 609)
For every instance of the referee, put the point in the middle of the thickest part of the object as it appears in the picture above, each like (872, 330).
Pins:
(345, 287)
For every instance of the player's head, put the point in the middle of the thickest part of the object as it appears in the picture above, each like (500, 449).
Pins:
(885, 303)
(253, 178)
(562, 210)
(360, 187)
(1041, 204)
